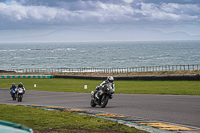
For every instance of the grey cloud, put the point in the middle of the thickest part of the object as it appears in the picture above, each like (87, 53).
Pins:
(58, 3)
(97, 12)
(181, 9)
(172, 12)
(172, 1)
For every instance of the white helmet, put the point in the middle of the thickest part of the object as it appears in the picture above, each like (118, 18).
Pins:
(110, 79)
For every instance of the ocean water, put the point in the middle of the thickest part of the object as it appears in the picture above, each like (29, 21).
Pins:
(98, 54)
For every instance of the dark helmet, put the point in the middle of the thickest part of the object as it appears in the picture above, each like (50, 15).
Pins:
(13, 84)
(110, 79)
(20, 83)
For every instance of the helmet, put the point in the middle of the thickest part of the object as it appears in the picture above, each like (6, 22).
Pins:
(20, 83)
(13, 84)
(110, 79)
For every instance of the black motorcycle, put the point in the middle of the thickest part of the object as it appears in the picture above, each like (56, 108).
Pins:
(102, 96)
(20, 92)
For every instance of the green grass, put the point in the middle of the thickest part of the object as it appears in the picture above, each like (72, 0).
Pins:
(48, 121)
(61, 85)
(132, 87)
(159, 87)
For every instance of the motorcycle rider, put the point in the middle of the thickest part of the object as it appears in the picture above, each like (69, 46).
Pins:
(21, 86)
(13, 87)
(110, 79)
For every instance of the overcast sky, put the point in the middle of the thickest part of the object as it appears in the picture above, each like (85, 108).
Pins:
(41, 16)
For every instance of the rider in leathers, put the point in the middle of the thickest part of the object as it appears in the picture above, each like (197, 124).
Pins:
(21, 86)
(110, 79)
(13, 87)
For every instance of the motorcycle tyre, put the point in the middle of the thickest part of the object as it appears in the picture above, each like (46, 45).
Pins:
(104, 101)
(19, 98)
(92, 103)
(13, 96)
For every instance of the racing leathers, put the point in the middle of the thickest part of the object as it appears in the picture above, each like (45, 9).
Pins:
(13, 87)
(102, 85)
(21, 86)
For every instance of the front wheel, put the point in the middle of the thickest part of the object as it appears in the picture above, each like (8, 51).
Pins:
(92, 103)
(13, 96)
(104, 100)
(19, 98)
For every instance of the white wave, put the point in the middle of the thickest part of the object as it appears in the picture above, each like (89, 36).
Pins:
(8, 50)
(51, 57)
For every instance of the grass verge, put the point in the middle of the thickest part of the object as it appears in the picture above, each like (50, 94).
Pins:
(131, 87)
(41, 120)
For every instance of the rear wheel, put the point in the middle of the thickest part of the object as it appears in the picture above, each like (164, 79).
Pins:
(104, 100)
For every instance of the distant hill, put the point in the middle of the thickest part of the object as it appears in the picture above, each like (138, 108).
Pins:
(117, 34)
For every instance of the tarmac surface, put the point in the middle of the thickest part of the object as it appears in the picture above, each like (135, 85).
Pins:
(179, 109)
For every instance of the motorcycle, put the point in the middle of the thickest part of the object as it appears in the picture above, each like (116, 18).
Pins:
(13, 94)
(20, 92)
(102, 96)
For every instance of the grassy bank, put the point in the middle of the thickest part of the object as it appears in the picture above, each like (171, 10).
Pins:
(133, 87)
(99, 74)
(41, 120)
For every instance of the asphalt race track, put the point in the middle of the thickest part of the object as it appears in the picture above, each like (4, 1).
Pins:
(184, 110)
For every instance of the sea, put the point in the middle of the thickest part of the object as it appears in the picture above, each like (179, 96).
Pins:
(110, 54)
